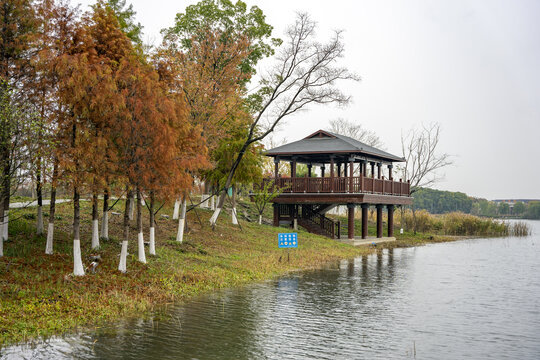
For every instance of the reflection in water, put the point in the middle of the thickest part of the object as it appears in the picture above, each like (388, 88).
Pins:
(471, 299)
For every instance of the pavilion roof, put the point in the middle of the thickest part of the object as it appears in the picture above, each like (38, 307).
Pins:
(322, 144)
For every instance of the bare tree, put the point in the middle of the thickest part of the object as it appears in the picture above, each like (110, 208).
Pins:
(356, 131)
(422, 160)
(305, 73)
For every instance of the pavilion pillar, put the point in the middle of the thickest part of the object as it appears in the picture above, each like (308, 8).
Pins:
(350, 221)
(293, 168)
(379, 221)
(390, 172)
(345, 169)
(372, 163)
(351, 169)
(309, 170)
(276, 167)
(338, 169)
(379, 170)
(365, 220)
(332, 174)
(322, 170)
(390, 209)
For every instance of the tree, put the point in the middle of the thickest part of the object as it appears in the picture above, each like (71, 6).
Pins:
(305, 73)
(422, 160)
(126, 20)
(356, 131)
(503, 209)
(519, 208)
(264, 195)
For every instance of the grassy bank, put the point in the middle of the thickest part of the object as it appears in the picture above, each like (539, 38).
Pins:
(39, 297)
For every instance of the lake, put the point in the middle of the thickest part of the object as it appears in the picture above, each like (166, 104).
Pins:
(471, 299)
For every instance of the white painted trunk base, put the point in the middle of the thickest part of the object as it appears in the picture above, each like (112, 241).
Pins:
(5, 227)
(152, 246)
(123, 257)
(140, 243)
(204, 200)
(105, 226)
(95, 234)
(180, 233)
(260, 219)
(295, 224)
(39, 227)
(212, 203)
(1, 247)
(78, 269)
(176, 209)
(234, 218)
(214, 217)
(50, 237)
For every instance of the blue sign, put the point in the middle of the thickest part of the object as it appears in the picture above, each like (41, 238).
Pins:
(288, 240)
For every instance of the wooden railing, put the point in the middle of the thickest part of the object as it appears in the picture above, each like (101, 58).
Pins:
(356, 184)
(327, 226)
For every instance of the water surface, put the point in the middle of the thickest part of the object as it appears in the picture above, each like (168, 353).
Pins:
(472, 299)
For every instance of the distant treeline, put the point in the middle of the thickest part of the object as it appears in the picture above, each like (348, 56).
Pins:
(442, 202)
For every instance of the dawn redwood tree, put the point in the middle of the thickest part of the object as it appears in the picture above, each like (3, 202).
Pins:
(305, 73)
(17, 31)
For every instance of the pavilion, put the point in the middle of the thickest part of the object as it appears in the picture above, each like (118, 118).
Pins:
(352, 173)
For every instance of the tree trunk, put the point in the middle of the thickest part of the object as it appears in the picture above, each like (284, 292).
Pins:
(95, 222)
(1, 227)
(233, 215)
(39, 193)
(414, 218)
(131, 207)
(52, 210)
(182, 220)
(105, 219)
(5, 228)
(205, 195)
(260, 219)
(140, 235)
(152, 246)
(78, 269)
(123, 252)
(176, 209)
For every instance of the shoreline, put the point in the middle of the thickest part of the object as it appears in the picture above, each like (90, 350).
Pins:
(55, 303)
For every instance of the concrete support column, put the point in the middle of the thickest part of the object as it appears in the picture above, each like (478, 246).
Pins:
(379, 221)
(390, 220)
(365, 220)
(350, 221)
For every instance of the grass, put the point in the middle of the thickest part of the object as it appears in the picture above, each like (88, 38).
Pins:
(40, 298)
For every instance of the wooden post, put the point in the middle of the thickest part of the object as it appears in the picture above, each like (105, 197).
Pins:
(331, 174)
(351, 170)
(309, 170)
(390, 220)
(379, 170)
(365, 220)
(379, 221)
(276, 167)
(350, 221)
(345, 169)
(322, 170)
(390, 172)
(372, 163)
(338, 169)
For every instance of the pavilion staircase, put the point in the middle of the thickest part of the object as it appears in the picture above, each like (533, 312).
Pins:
(312, 218)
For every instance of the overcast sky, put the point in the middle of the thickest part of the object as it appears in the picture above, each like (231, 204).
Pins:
(471, 65)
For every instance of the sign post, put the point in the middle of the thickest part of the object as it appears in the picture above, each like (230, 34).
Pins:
(288, 240)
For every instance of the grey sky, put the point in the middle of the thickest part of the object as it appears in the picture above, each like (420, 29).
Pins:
(473, 66)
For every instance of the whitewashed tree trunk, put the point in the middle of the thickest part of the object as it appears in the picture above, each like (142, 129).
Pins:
(142, 255)
(5, 229)
(204, 199)
(78, 269)
(123, 257)
(105, 226)
(215, 215)
(260, 219)
(152, 245)
(50, 237)
(95, 234)
(176, 209)
(131, 207)
(233, 214)
(234, 218)
(39, 226)
(181, 221)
